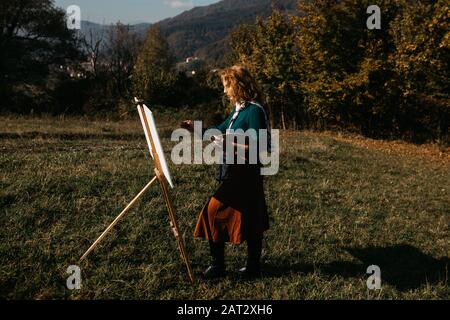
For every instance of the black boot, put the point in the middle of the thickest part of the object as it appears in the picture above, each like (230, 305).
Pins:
(217, 268)
(253, 267)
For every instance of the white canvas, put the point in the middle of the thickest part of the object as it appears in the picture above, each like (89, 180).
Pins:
(154, 132)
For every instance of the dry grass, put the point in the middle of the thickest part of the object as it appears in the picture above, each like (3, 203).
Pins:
(338, 205)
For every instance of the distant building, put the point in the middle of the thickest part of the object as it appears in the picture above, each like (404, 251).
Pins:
(191, 66)
(191, 59)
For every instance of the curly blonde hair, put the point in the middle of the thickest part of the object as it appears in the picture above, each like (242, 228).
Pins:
(242, 86)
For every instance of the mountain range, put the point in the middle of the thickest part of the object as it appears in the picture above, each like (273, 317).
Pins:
(203, 31)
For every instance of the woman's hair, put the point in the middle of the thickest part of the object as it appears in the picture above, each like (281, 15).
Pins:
(242, 86)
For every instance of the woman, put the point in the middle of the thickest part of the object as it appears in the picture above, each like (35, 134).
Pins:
(237, 211)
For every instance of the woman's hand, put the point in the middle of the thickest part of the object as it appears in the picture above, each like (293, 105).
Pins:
(188, 125)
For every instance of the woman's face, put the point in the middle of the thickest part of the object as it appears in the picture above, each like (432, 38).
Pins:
(226, 88)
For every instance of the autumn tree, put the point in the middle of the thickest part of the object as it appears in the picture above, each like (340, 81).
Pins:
(391, 82)
(421, 36)
(268, 50)
(154, 75)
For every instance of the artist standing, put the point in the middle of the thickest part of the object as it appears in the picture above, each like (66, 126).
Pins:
(237, 211)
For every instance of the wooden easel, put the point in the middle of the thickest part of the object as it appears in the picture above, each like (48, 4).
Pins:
(164, 185)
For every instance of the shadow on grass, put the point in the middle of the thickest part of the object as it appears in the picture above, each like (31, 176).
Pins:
(402, 266)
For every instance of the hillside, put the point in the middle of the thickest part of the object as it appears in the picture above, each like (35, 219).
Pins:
(203, 31)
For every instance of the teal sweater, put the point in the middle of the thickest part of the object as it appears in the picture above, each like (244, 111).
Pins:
(251, 117)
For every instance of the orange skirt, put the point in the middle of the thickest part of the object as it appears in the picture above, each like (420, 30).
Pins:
(237, 211)
(219, 223)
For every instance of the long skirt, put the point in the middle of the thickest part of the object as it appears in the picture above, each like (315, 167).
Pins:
(237, 211)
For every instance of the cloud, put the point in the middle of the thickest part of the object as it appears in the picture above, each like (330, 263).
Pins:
(179, 4)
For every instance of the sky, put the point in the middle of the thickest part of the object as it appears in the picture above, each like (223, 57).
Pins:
(131, 11)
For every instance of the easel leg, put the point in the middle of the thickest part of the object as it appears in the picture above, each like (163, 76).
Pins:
(128, 207)
(175, 229)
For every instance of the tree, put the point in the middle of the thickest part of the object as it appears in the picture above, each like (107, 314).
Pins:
(325, 68)
(391, 82)
(112, 56)
(33, 39)
(268, 50)
(342, 62)
(421, 35)
(122, 50)
(93, 44)
(154, 74)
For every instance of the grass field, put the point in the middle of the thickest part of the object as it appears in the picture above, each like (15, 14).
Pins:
(338, 205)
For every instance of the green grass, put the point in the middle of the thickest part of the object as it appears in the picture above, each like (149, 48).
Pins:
(336, 208)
